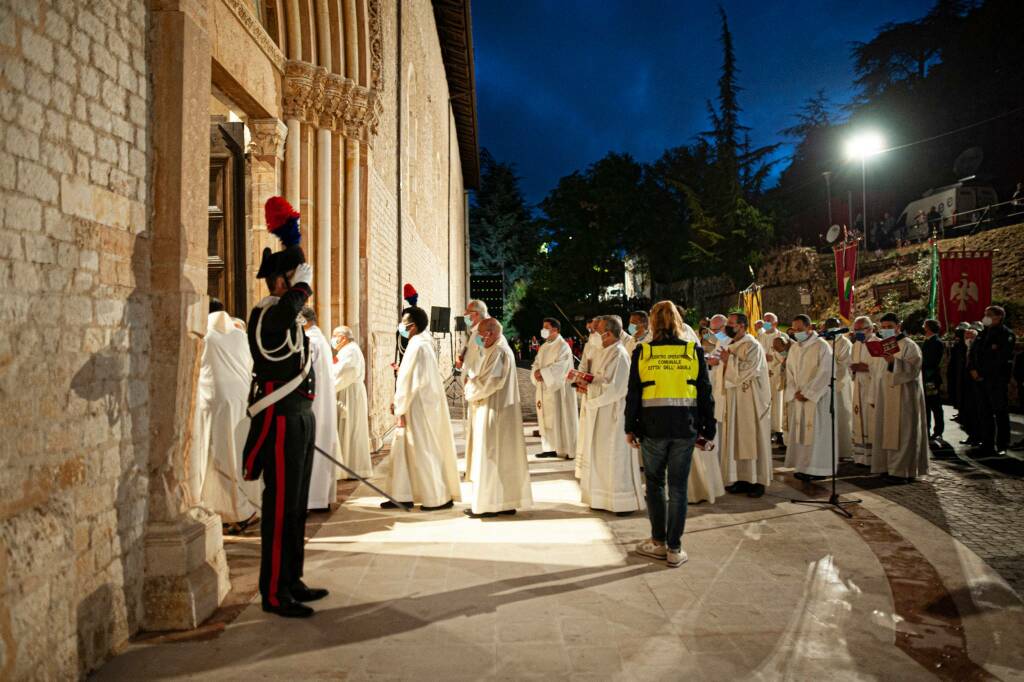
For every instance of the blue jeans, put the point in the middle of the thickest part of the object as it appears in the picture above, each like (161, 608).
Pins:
(674, 457)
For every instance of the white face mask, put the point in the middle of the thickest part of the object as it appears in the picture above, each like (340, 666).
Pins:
(987, 321)
(545, 333)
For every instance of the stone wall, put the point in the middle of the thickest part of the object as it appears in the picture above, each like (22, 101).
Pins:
(432, 230)
(74, 354)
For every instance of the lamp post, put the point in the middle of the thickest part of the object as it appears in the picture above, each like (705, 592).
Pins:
(828, 192)
(861, 147)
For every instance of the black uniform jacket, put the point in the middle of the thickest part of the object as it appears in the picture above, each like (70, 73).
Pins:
(279, 321)
(991, 354)
(670, 422)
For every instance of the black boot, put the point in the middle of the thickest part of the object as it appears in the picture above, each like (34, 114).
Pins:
(288, 608)
(301, 593)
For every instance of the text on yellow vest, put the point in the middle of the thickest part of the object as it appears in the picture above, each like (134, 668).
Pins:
(668, 375)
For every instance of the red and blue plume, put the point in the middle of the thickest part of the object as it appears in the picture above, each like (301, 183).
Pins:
(283, 221)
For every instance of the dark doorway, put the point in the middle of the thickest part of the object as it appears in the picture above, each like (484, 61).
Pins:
(226, 251)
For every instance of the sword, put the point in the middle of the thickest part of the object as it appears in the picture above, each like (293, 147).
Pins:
(401, 505)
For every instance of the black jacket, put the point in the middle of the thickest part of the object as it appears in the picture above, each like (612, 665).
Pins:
(991, 354)
(670, 422)
(279, 320)
(932, 351)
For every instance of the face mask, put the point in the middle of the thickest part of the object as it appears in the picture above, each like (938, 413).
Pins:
(479, 340)
(987, 321)
(731, 332)
(768, 326)
(721, 336)
(468, 319)
(403, 330)
(860, 336)
(887, 333)
(545, 333)
(631, 329)
(801, 336)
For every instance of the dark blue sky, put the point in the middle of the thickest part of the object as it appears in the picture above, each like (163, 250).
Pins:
(562, 82)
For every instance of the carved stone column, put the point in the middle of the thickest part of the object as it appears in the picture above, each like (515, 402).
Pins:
(266, 152)
(186, 574)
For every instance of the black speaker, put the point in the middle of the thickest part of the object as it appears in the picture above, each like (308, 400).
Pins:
(460, 324)
(439, 320)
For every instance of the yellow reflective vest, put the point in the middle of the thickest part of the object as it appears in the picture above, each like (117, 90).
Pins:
(668, 375)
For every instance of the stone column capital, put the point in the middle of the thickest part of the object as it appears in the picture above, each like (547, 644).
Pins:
(268, 135)
(303, 91)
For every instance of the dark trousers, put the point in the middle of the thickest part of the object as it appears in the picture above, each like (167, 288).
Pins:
(933, 410)
(284, 445)
(671, 457)
(994, 413)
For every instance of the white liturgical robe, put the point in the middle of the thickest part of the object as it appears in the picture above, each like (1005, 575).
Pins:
(864, 393)
(556, 399)
(591, 350)
(900, 442)
(808, 370)
(611, 480)
(470, 363)
(423, 462)
(323, 482)
(353, 426)
(221, 422)
(842, 349)
(501, 474)
(776, 375)
(746, 439)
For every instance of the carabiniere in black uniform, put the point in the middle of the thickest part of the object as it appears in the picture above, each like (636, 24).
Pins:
(280, 442)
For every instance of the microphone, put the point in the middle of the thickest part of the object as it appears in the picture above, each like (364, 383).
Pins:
(833, 333)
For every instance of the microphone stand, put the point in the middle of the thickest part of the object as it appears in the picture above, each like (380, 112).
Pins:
(833, 502)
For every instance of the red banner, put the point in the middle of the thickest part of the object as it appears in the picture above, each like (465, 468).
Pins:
(965, 286)
(846, 272)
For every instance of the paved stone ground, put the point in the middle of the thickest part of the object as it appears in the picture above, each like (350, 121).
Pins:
(978, 502)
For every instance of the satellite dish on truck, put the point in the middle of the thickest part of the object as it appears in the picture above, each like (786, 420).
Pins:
(968, 162)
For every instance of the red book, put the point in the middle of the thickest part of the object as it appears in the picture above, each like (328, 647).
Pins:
(881, 347)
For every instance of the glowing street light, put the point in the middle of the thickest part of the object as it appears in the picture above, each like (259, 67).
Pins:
(861, 147)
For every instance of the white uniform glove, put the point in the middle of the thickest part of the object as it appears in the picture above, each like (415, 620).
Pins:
(303, 273)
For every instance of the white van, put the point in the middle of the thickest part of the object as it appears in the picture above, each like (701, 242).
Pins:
(950, 202)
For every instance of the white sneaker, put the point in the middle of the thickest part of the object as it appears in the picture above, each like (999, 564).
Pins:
(651, 548)
(675, 559)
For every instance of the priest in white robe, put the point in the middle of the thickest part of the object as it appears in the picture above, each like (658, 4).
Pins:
(501, 474)
(746, 438)
(900, 446)
(556, 399)
(706, 482)
(591, 349)
(423, 461)
(469, 361)
(808, 371)
(611, 480)
(866, 372)
(842, 348)
(353, 449)
(221, 423)
(323, 481)
(776, 369)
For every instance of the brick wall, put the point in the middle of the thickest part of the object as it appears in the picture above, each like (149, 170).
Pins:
(74, 268)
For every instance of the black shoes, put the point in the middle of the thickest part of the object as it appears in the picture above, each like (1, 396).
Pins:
(808, 477)
(738, 488)
(301, 593)
(756, 490)
(488, 515)
(549, 453)
(447, 505)
(288, 608)
(391, 505)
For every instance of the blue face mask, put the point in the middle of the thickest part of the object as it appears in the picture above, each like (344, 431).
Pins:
(403, 330)
(860, 336)
(767, 326)
(801, 336)
(887, 333)
(721, 336)
(631, 329)
(479, 340)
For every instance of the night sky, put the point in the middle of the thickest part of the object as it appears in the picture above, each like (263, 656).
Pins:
(560, 82)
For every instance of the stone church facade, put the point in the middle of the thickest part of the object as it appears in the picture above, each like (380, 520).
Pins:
(140, 141)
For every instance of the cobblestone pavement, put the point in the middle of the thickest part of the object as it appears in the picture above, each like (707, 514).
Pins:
(978, 502)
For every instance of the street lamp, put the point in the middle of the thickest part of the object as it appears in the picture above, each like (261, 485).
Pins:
(861, 147)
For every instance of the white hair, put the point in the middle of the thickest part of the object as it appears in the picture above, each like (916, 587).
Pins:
(493, 320)
(343, 330)
(775, 317)
(477, 305)
(719, 316)
(863, 318)
(612, 323)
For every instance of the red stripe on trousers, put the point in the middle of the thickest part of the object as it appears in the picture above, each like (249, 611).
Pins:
(268, 415)
(275, 560)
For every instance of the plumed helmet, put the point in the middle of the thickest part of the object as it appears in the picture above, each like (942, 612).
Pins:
(283, 223)
(409, 294)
